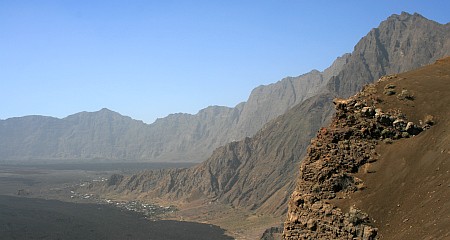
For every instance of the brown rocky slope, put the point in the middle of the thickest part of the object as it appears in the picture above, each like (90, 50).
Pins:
(381, 169)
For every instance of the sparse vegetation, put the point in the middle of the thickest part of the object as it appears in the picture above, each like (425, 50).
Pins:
(429, 119)
(405, 94)
(369, 89)
(405, 135)
(387, 134)
(389, 92)
(389, 89)
(387, 77)
(389, 86)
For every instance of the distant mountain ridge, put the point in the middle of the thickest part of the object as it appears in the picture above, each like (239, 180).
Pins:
(48, 138)
(108, 136)
(257, 173)
(401, 43)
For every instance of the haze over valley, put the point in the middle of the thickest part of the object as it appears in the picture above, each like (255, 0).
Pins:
(356, 151)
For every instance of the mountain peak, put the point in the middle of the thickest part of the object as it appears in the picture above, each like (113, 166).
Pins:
(105, 110)
(102, 113)
(405, 16)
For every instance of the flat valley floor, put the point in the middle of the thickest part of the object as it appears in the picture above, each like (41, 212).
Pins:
(33, 217)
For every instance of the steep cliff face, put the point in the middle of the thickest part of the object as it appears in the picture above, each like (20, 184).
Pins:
(268, 102)
(333, 200)
(256, 173)
(401, 43)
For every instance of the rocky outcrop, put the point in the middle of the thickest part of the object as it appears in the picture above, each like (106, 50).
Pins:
(272, 233)
(334, 156)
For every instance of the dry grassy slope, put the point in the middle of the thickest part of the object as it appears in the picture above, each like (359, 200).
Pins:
(408, 195)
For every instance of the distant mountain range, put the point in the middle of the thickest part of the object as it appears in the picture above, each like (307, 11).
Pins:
(257, 173)
(401, 43)
(108, 136)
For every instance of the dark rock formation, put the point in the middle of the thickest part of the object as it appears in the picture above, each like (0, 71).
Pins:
(273, 233)
(114, 179)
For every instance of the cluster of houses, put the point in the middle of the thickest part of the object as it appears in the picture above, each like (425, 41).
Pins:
(149, 211)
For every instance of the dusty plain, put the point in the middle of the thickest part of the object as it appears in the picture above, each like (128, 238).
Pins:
(36, 203)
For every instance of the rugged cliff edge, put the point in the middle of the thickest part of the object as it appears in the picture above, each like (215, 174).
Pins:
(373, 133)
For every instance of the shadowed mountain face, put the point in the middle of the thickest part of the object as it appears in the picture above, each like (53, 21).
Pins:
(258, 173)
(106, 135)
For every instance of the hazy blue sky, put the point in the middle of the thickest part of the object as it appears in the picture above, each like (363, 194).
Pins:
(147, 59)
